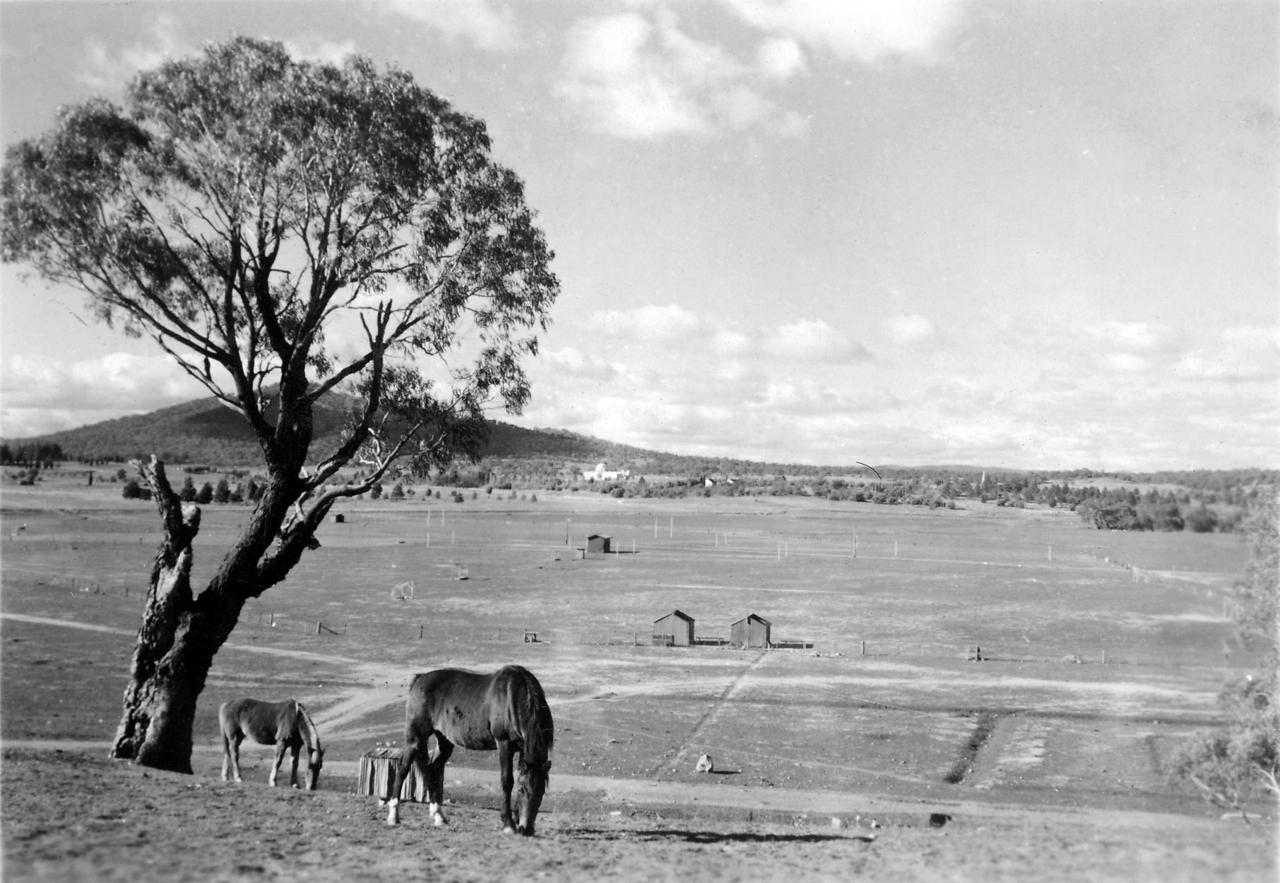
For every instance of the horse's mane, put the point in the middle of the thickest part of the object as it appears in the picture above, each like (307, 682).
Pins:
(308, 727)
(535, 719)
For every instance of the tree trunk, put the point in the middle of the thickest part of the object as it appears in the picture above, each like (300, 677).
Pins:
(181, 633)
(168, 675)
(175, 645)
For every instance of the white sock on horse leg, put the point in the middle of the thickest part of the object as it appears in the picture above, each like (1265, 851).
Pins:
(437, 817)
(393, 811)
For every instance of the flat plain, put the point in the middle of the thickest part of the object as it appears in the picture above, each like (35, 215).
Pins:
(880, 744)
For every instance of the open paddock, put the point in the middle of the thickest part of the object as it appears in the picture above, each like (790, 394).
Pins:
(1092, 673)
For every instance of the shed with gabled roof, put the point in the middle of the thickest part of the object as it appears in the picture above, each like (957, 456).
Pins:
(674, 629)
(751, 632)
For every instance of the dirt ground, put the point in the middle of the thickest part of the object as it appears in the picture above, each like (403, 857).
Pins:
(73, 815)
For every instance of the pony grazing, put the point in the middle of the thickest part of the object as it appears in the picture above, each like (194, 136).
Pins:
(285, 725)
(506, 710)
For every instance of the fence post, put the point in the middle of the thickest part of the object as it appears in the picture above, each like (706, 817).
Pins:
(420, 628)
(317, 626)
(864, 648)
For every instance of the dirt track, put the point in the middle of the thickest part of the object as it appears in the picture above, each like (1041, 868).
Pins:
(117, 822)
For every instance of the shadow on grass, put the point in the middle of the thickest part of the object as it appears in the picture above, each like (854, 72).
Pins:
(714, 836)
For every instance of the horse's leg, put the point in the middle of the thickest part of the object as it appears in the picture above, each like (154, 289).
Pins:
(433, 777)
(236, 739)
(508, 780)
(408, 755)
(226, 755)
(293, 775)
(275, 767)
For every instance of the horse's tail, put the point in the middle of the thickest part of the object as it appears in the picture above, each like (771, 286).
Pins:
(538, 734)
(308, 727)
(227, 719)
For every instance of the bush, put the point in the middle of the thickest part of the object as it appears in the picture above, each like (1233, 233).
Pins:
(134, 491)
(1228, 764)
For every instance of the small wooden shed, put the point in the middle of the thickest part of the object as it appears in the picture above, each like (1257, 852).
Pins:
(597, 544)
(376, 776)
(752, 631)
(674, 629)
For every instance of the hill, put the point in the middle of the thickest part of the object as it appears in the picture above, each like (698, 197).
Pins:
(207, 431)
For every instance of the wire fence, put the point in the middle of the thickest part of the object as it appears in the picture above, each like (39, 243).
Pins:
(262, 618)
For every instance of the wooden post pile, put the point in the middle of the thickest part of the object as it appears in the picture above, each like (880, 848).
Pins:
(377, 774)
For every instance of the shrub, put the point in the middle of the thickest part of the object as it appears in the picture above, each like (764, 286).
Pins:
(134, 491)
(1228, 764)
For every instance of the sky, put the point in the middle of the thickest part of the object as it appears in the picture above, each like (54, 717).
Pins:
(1026, 234)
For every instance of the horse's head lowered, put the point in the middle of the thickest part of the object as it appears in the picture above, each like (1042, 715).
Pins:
(531, 784)
(315, 760)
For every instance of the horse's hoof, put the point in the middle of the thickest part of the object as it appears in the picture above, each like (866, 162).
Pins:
(507, 829)
(440, 821)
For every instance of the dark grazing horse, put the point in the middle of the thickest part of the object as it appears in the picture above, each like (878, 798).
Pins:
(285, 725)
(506, 710)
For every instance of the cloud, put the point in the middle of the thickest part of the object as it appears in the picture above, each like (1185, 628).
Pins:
(863, 30)
(312, 48)
(781, 58)
(105, 71)
(638, 75)
(909, 329)
(41, 395)
(653, 323)
(811, 339)
(1244, 354)
(1140, 337)
(571, 362)
(490, 26)
(727, 342)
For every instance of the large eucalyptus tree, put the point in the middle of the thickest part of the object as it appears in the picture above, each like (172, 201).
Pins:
(283, 230)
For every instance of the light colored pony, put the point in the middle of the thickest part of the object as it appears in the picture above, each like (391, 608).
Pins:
(285, 725)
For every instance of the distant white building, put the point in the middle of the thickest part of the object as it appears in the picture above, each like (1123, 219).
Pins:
(601, 474)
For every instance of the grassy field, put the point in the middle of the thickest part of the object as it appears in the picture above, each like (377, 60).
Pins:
(1100, 652)
(1101, 649)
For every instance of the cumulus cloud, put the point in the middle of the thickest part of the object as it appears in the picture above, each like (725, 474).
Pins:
(1140, 337)
(311, 48)
(489, 25)
(863, 30)
(1244, 354)
(572, 362)
(637, 74)
(781, 58)
(806, 339)
(107, 71)
(908, 329)
(654, 323)
(727, 342)
(75, 393)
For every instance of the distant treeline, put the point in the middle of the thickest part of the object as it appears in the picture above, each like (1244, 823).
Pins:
(42, 453)
(518, 459)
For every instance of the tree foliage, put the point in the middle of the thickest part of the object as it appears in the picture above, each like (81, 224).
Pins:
(1227, 765)
(283, 230)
